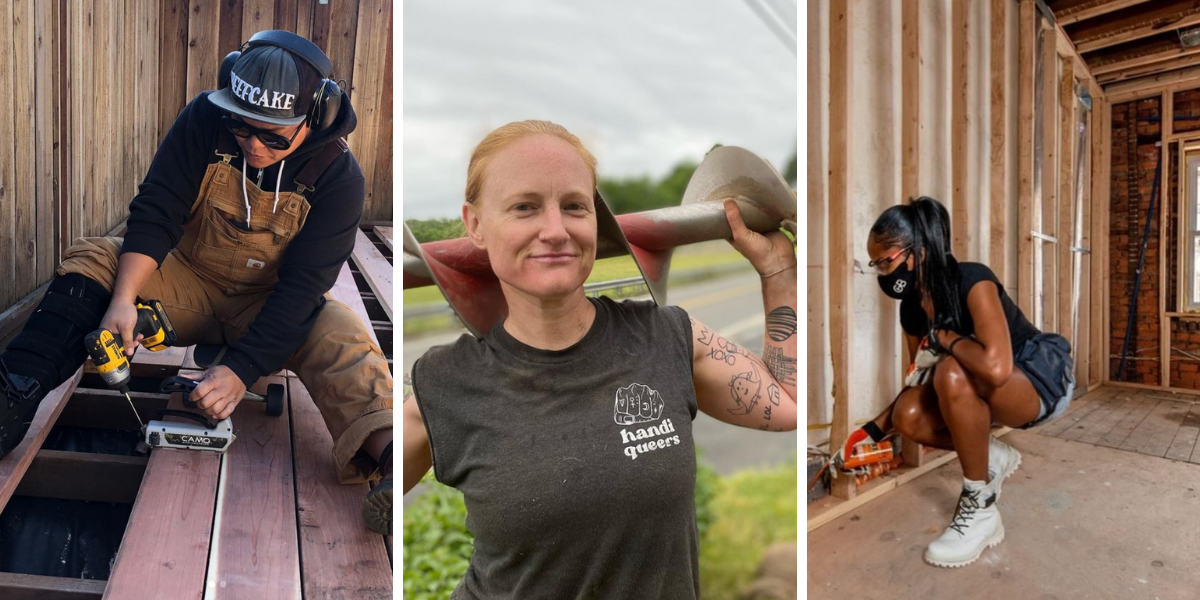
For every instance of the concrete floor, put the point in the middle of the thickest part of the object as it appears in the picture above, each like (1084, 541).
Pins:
(1081, 521)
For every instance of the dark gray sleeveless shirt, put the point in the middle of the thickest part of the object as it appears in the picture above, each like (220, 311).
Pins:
(577, 465)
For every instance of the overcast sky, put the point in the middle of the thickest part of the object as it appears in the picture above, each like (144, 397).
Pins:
(644, 84)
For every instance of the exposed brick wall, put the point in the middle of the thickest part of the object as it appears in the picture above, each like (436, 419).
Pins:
(1187, 104)
(1128, 220)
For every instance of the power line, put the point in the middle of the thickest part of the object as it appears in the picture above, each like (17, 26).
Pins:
(772, 23)
(785, 12)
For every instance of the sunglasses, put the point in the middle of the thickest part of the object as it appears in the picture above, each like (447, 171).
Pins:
(269, 139)
(882, 263)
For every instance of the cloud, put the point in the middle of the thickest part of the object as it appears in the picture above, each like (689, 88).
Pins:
(643, 84)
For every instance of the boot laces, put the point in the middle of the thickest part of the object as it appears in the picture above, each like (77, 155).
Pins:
(968, 503)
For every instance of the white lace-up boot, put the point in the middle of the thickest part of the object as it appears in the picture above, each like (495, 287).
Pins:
(1003, 461)
(976, 526)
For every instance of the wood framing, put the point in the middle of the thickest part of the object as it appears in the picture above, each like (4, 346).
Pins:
(1159, 56)
(1104, 240)
(1027, 44)
(889, 484)
(1081, 345)
(998, 198)
(1145, 87)
(1066, 199)
(1131, 25)
(910, 135)
(959, 56)
(1046, 207)
(839, 232)
(1097, 334)
(1167, 122)
(1080, 10)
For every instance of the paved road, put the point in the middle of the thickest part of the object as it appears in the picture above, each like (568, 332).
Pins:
(731, 305)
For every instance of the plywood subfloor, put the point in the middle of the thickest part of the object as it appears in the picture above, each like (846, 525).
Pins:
(1082, 520)
(1153, 423)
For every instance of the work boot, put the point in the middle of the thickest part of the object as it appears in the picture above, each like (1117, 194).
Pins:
(377, 506)
(976, 526)
(1003, 461)
(19, 398)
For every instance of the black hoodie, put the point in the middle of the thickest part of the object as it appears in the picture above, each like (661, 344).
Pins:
(313, 259)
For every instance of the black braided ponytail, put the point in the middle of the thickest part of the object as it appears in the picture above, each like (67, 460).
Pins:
(923, 225)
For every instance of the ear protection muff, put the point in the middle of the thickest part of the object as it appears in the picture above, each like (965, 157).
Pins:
(327, 98)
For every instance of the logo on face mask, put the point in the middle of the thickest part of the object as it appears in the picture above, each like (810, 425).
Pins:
(899, 287)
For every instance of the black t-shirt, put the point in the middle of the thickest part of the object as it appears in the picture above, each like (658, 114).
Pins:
(577, 466)
(915, 323)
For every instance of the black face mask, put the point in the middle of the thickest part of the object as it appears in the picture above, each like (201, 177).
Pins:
(899, 283)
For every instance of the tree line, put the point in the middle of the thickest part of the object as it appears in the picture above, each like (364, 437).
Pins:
(623, 195)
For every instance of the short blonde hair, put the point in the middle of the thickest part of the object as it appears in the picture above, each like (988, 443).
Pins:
(507, 134)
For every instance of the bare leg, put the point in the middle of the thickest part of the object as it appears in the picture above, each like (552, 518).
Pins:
(917, 416)
(967, 415)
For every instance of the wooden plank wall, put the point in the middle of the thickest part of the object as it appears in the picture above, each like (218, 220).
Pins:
(93, 86)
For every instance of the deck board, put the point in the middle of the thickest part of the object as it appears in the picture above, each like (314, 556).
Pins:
(164, 553)
(256, 548)
(385, 235)
(376, 270)
(340, 557)
(14, 465)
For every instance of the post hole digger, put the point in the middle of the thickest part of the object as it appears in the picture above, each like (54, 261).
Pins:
(107, 352)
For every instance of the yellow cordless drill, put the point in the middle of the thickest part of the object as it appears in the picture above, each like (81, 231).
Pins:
(108, 351)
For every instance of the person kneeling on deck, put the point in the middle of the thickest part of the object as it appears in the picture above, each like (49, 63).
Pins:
(978, 361)
(248, 213)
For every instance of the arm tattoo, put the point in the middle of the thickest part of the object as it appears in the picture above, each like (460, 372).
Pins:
(705, 335)
(746, 388)
(781, 323)
(782, 366)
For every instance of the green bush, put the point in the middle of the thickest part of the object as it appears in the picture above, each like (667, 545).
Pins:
(752, 509)
(438, 547)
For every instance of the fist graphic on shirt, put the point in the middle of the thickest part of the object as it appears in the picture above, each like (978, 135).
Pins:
(637, 403)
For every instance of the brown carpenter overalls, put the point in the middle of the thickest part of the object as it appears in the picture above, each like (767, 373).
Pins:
(216, 280)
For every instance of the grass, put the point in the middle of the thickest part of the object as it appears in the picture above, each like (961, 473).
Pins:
(753, 509)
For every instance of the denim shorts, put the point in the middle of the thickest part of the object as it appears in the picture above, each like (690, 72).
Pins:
(1046, 361)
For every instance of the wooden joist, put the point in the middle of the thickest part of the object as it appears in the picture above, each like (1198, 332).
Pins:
(375, 269)
(1073, 11)
(1147, 56)
(1144, 87)
(109, 409)
(17, 586)
(83, 476)
(1135, 23)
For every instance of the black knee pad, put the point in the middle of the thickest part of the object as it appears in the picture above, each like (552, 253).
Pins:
(50, 347)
